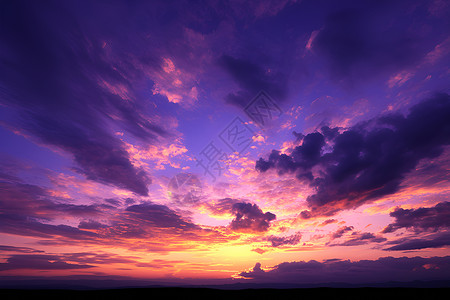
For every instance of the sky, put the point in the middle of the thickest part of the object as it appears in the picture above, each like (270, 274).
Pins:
(225, 141)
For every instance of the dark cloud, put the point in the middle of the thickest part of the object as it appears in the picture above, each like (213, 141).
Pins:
(21, 199)
(91, 224)
(63, 85)
(302, 158)
(30, 210)
(252, 78)
(157, 227)
(357, 46)
(113, 202)
(436, 240)
(105, 161)
(359, 238)
(277, 241)
(62, 261)
(341, 231)
(328, 221)
(39, 262)
(5, 248)
(25, 209)
(250, 218)
(26, 226)
(158, 216)
(368, 160)
(383, 269)
(423, 218)
(78, 210)
(330, 133)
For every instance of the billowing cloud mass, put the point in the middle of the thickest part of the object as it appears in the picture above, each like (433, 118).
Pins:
(368, 160)
(250, 218)
(432, 222)
(423, 218)
(383, 269)
(129, 150)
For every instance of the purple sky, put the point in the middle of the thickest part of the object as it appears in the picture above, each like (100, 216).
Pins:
(105, 104)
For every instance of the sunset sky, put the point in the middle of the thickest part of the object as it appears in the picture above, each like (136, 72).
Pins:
(225, 141)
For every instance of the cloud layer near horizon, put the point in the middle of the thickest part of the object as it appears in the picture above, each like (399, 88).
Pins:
(383, 269)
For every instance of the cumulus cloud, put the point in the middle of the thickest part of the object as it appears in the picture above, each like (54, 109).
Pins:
(419, 219)
(247, 217)
(368, 160)
(250, 218)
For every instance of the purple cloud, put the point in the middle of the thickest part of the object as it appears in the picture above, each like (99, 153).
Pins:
(368, 160)
(277, 241)
(251, 78)
(24, 207)
(67, 96)
(437, 240)
(383, 269)
(249, 217)
(357, 47)
(341, 231)
(423, 218)
(360, 238)
(5, 248)
(39, 262)
(159, 216)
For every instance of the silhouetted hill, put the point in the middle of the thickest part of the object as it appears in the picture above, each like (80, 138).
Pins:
(216, 294)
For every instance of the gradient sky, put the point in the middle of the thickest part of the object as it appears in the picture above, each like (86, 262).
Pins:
(106, 105)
